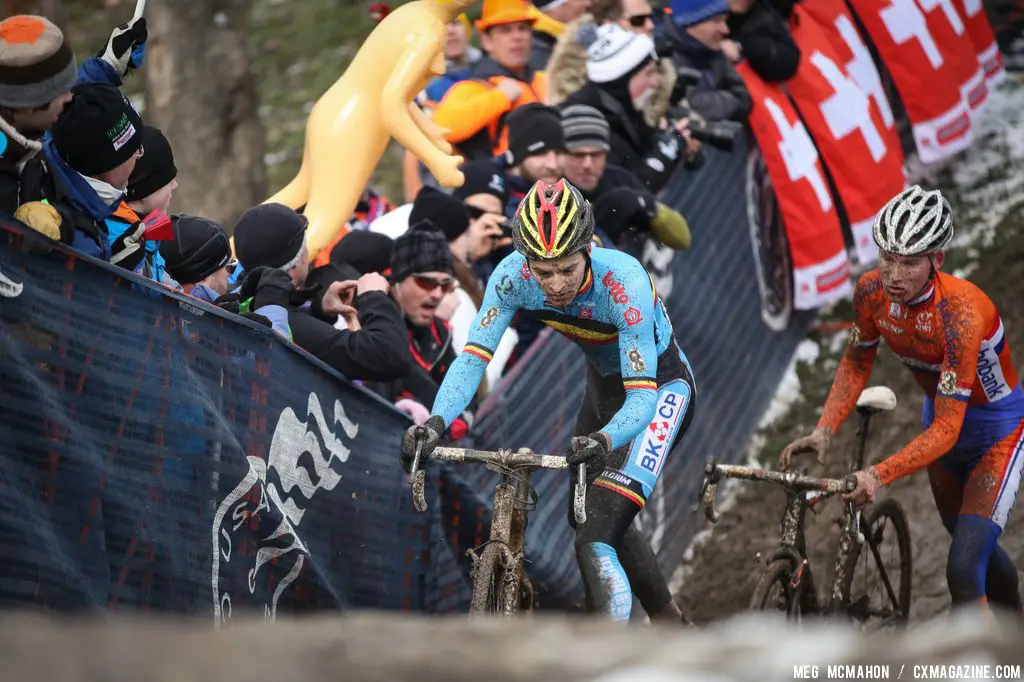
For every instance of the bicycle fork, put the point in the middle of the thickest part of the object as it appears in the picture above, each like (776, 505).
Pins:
(508, 532)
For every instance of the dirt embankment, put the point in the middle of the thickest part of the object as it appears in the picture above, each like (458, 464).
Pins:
(722, 571)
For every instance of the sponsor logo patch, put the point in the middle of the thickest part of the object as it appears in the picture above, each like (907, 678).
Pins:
(657, 437)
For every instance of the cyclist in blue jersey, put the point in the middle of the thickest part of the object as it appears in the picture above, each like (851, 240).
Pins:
(640, 392)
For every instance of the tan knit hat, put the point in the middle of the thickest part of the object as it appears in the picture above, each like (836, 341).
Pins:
(36, 64)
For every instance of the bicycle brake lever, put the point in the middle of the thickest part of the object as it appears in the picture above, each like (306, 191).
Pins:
(579, 500)
(855, 524)
(700, 495)
(419, 481)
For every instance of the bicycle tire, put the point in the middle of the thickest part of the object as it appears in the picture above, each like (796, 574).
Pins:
(892, 510)
(777, 571)
(488, 576)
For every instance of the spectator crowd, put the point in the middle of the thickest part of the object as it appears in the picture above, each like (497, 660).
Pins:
(612, 95)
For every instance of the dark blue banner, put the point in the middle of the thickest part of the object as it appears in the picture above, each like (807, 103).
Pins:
(160, 454)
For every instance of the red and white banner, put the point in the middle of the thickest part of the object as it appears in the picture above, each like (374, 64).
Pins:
(924, 44)
(821, 269)
(839, 95)
(980, 31)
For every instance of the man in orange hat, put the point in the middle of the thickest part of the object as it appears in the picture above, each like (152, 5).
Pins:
(474, 110)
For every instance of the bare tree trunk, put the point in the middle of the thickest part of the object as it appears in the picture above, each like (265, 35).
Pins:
(201, 94)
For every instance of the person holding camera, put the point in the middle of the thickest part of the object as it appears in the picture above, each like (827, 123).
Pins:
(622, 75)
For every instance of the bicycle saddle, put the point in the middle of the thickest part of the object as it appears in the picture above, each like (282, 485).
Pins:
(876, 399)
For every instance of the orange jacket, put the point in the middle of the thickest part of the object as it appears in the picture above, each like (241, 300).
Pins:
(474, 110)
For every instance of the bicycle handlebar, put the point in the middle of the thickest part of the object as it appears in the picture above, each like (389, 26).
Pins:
(714, 473)
(502, 458)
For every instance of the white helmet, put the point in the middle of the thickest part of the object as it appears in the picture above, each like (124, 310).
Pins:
(914, 222)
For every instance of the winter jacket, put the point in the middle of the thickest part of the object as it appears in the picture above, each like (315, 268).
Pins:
(437, 88)
(474, 110)
(720, 95)
(16, 158)
(432, 352)
(652, 155)
(377, 352)
(768, 46)
(567, 73)
(88, 222)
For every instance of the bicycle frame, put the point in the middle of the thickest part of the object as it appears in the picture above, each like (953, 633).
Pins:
(512, 503)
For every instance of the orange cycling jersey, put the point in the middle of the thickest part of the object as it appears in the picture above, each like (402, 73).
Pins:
(952, 340)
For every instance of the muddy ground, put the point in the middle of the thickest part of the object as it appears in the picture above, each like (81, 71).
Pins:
(722, 571)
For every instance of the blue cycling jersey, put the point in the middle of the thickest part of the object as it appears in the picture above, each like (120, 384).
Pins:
(617, 319)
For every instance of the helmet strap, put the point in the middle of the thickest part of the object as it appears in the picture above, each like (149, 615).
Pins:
(931, 276)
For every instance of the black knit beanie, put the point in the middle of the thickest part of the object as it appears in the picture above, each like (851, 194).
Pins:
(446, 212)
(424, 248)
(534, 129)
(270, 235)
(98, 129)
(156, 167)
(482, 177)
(365, 251)
(199, 249)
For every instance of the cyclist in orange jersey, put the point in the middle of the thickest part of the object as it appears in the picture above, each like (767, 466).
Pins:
(949, 334)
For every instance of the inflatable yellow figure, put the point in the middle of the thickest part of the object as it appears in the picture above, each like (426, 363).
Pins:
(352, 123)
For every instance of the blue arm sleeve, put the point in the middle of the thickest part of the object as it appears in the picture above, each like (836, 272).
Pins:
(95, 70)
(278, 316)
(638, 354)
(463, 377)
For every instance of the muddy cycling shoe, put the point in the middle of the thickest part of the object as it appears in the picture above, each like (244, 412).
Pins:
(432, 431)
(591, 449)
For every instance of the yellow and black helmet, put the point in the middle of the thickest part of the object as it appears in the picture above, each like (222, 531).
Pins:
(552, 221)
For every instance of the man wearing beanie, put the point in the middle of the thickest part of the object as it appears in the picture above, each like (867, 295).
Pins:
(270, 241)
(199, 257)
(91, 152)
(485, 193)
(37, 72)
(700, 31)
(423, 274)
(154, 179)
(620, 200)
(473, 110)
(552, 16)
(622, 74)
(536, 147)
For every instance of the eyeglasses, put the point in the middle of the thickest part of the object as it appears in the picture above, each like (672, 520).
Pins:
(429, 284)
(640, 20)
(231, 265)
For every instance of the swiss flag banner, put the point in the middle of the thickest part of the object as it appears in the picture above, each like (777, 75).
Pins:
(980, 31)
(839, 95)
(821, 269)
(925, 46)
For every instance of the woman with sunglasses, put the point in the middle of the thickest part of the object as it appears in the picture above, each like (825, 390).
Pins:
(640, 392)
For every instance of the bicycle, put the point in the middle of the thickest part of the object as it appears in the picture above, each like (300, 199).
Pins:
(500, 583)
(788, 567)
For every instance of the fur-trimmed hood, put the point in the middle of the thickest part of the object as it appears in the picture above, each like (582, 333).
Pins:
(567, 72)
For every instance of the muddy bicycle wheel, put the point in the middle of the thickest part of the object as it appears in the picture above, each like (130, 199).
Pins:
(775, 591)
(878, 573)
(488, 578)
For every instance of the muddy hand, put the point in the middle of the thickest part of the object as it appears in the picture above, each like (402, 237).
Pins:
(817, 442)
(868, 482)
